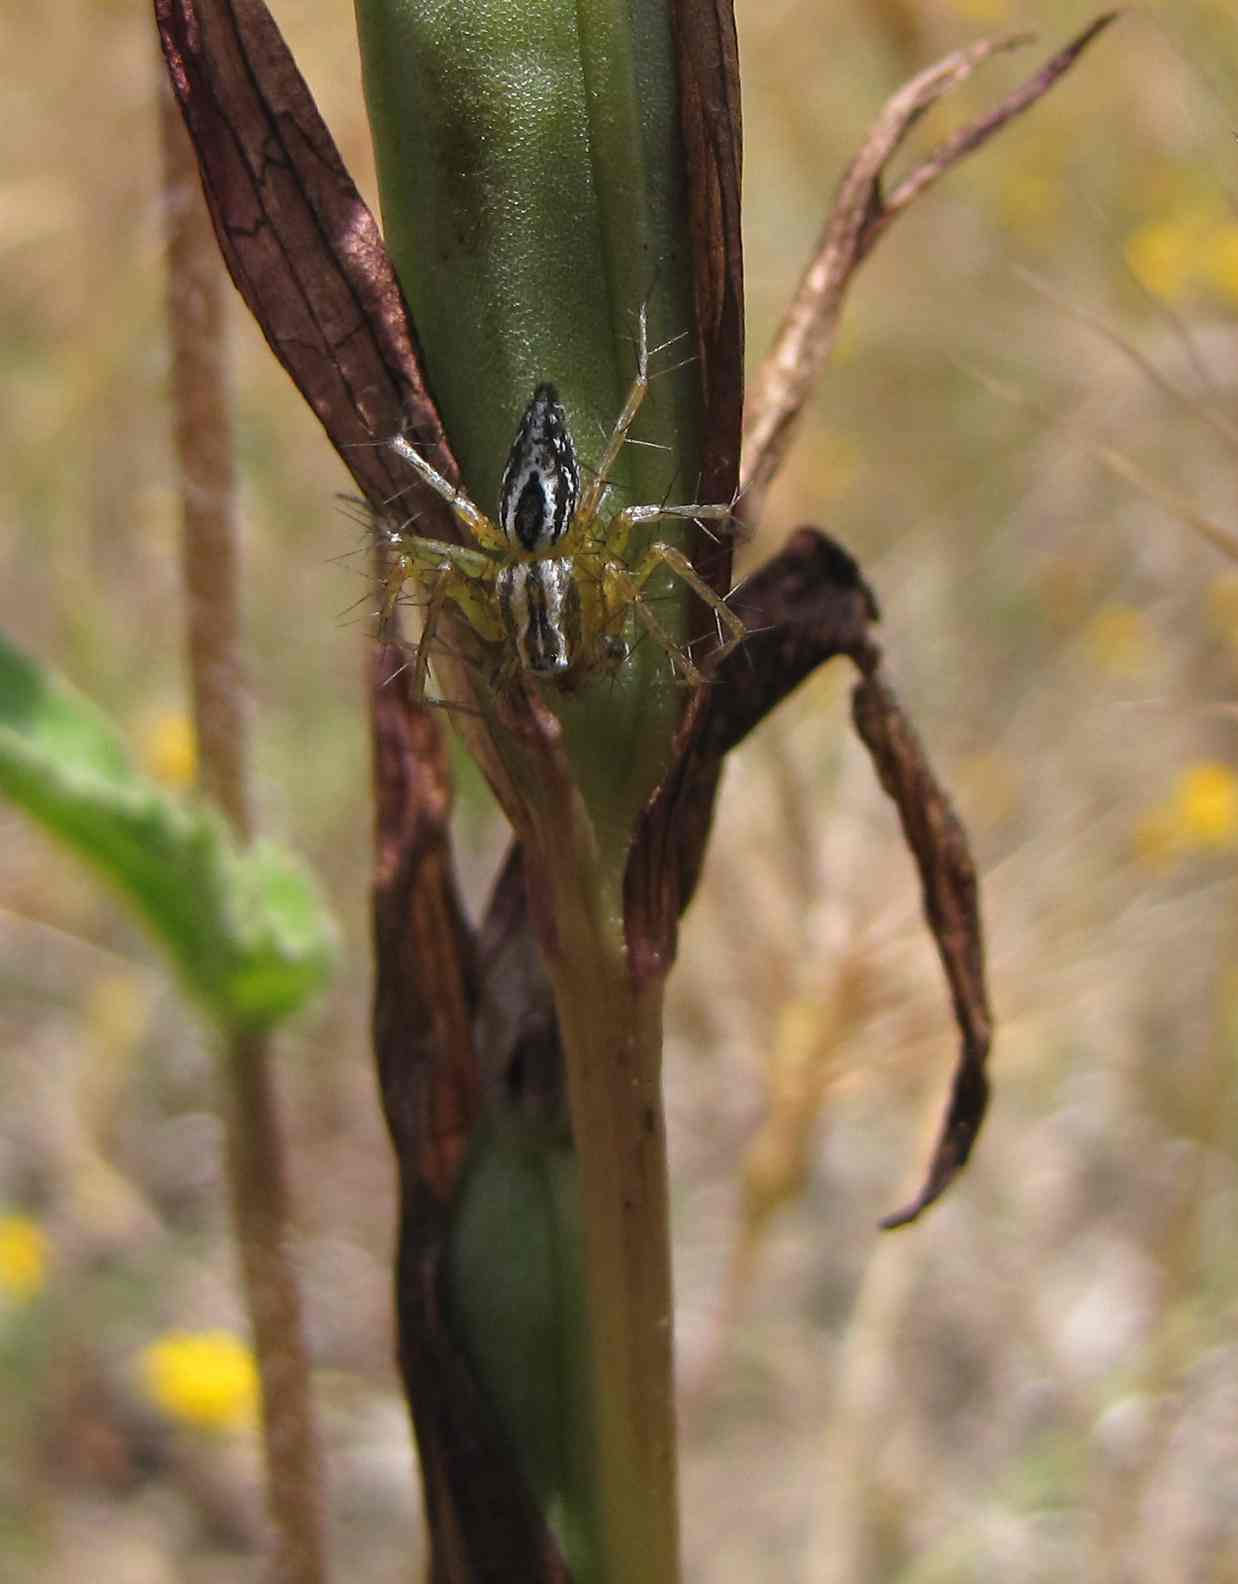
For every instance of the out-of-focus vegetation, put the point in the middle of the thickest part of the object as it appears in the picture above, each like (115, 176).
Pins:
(1029, 439)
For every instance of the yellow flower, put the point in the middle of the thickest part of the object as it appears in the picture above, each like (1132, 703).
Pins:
(1118, 641)
(1163, 256)
(1205, 804)
(23, 1257)
(1200, 815)
(1219, 260)
(207, 1379)
(169, 750)
(1192, 249)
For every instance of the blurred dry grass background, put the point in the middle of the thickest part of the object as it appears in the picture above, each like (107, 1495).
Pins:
(1041, 1380)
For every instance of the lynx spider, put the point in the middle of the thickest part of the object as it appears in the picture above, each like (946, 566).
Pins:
(549, 578)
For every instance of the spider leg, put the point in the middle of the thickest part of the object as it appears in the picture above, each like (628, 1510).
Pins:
(596, 487)
(429, 625)
(476, 521)
(619, 530)
(623, 591)
(454, 573)
(664, 555)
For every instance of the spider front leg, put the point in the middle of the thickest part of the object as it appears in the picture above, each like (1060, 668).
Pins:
(475, 520)
(628, 584)
(596, 488)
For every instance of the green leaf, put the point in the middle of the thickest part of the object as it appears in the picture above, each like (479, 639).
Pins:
(247, 930)
(522, 1316)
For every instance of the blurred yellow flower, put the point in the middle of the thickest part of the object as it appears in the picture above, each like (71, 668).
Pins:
(1220, 259)
(1205, 802)
(23, 1257)
(1163, 255)
(1200, 815)
(169, 750)
(1190, 250)
(207, 1379)
(1118, 641)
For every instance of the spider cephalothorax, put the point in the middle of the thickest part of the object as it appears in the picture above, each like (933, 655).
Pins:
(549, 579)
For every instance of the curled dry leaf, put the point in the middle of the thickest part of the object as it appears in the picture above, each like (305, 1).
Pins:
(804, 607)
(951, 896)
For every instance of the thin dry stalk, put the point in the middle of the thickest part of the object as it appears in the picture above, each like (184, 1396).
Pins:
(861, 214)
(210, 561)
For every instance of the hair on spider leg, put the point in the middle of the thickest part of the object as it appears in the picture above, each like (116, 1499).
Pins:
(628, 440)
(359, 512)
(435, 641)
(360, 608)
(405, 433)
(676, 663)
(670, 341)
(649, 445)
(357, 559)
(452, 706)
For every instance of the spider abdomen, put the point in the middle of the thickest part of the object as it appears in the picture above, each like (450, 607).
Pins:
(541, 481)
(540, 605)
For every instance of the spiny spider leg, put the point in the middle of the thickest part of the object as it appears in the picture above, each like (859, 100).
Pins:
(596, 488)
(622, 523)
(624, 592)
(477, 523)
(449, 572)
(429, 626)
(663, 555)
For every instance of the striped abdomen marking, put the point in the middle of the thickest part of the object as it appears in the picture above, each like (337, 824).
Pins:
(540, 603)
(542, 478)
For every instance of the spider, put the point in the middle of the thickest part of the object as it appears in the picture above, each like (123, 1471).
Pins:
(549, 578)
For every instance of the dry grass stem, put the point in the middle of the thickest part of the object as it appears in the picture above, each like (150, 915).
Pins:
(860, 215)
(211, 564)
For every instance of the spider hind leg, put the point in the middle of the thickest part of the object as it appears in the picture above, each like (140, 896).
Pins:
(446, 574)
(625, 590)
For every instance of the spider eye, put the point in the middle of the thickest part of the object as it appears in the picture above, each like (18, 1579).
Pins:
(542, 478)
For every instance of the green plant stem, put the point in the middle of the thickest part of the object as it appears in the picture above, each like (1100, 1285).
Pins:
(612, 1034)
(210, 563)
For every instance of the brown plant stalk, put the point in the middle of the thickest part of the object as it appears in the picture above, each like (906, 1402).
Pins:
(210, 557)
